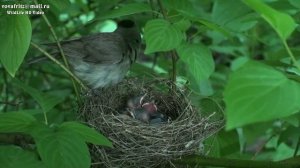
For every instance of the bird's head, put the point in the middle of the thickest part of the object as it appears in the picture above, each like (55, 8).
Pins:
(130, 32)
(131, 35)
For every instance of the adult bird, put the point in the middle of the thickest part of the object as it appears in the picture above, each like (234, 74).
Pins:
(102, 59)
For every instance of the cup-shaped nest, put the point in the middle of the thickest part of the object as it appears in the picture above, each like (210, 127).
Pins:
(140, 144)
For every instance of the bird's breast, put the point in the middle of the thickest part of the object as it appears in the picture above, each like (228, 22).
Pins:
(100, 75)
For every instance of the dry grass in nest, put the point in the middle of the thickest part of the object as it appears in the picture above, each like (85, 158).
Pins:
(138, 144)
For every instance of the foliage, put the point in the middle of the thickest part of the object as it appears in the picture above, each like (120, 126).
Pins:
(240, 59)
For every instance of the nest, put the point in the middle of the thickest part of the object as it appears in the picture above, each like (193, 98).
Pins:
(138, 144)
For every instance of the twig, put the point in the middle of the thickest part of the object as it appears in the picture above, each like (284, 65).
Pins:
(297, 147)
(59, 64)
(64, 68)
(39, 70)
(291, 54)
(162, 9)
(261, 146)
(154, 61)
(174, 60)
(54, 36)
(5, 90)
(9, 103)
(151, 2)
(235, 163)
(59, 48)
(173, 52)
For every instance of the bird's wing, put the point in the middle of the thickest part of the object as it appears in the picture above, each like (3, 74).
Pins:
(104, 48)
(72, 48)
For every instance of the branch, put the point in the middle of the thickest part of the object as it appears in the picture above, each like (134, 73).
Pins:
(291, 54)
(297, 147)
(235, 163)
(59, 48)
(58, 63)
(9, 103)
(5, 89)
(173, 52)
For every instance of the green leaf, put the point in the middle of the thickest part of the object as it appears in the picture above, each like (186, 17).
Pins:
(295, 3)
(238, 62)
(125, 10)
(46, 101)
(88, 134)
(212, 104)
(186, 8)
(183, 24)
(58, 6)
(31, 112)
(138, 69)
(16, 157)
(40, 130)
(63, 149)
(240, 19)
(15, 122)
(251, 133)
(198, 59)
(228, 142)
(15, 35)
(293, 120)
(282, 23)
(260, 93)
(290, 135)
(283, 152)
(215, 27)
(206, 88)
(160, 35)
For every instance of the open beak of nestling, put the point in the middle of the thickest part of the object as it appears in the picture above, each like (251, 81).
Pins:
(135, 102)
(150, 107)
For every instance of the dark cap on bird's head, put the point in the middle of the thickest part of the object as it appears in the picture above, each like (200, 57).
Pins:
(130, 32)
(126, 23)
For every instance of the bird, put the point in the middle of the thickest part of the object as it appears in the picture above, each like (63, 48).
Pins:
(148, 113)
(144, 111)
(158, 118)
(140, 114)
(102, 59)
(136, 101)
(155, 117)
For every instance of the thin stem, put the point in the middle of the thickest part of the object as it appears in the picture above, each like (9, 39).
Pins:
(162, 9)
(151, 2)
(173, 52)
(9, 103)
(54, 36)
(261, 146)
(45, 117)
(290, 54)
(59, 48)
(297, 147)
(235, 163)
(5, 88)
(59, 64)
(174, 60)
